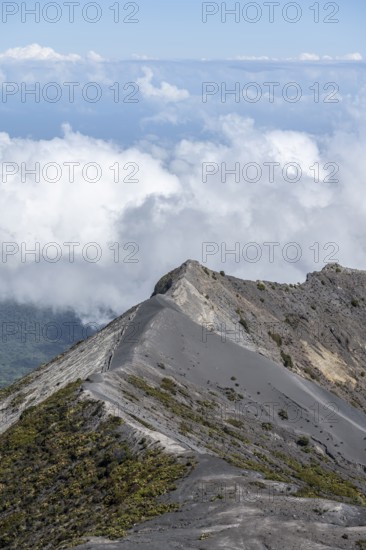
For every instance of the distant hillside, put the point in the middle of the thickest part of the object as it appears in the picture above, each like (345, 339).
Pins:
(31, 336)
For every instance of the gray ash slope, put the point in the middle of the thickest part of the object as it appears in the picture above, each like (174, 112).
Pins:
(169, 337)
(195, 371)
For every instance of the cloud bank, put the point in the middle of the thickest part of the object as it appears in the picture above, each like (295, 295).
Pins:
(159, 200)
(128, 191)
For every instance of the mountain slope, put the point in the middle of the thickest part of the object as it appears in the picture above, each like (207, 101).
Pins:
(316, 328)
(284, 449)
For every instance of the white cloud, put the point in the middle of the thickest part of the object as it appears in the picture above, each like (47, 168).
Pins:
(167, 92)
(35, 52)
(316, 57)
(95, 57)
(309, 57)
(79, 211)
(351, 57)
(171, 210)
(303, 57)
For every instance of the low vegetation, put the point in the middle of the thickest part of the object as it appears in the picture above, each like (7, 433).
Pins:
(303, 441)
(287, 360)
(168, 384)
(66, 473)
(276, 338)
(283, 414)
(244, 324)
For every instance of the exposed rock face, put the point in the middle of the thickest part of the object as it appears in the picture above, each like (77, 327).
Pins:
(321, 322)
(267, 377)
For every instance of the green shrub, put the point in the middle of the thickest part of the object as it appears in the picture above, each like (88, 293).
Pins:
(283, 414)
(184, 428)
(232, 395)
(267, 426)
(276, 338)
(303, 441)
(324, 483)
(236, 423)
(287, 360)
(310, 373)
(168, 384)
(244, 324)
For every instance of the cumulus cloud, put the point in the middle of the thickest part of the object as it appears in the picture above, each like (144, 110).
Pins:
(166, 92)
(166, 201)
(309, 57)
(351, 57)
(59, 205)
(35, 52)
(95, 57)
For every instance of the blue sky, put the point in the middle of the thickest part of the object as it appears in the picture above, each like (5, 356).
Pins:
(169, 30)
